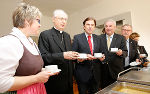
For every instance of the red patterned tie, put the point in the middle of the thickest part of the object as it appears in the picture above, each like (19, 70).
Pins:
(90, 44)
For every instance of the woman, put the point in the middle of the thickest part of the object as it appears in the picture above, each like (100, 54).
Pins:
(20, 61)
(141, 50)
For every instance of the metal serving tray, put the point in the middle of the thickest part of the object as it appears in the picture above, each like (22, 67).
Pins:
(129, 81)
(131, 88)
(134, 76)
(125, 88)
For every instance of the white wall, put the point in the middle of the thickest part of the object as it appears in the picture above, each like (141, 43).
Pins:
(104, 9)
(141, 22)
(46, 23)
(140, 16)
(6, 9)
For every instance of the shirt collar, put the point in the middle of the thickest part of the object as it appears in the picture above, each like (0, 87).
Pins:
(110, 36)
(20, 35)
(87, 35)
(127, 40)
(58, 30)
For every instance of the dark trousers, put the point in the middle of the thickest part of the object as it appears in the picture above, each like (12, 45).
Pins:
(106, 76)
(66, 92)
(90, 87)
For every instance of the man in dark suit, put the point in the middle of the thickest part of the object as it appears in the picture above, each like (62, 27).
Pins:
(113, 63)
(55, 48)
(131, 46)
(87, 71)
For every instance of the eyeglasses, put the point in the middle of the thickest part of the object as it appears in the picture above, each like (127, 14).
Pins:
(38, 20)
(61, 18)
(126, 30)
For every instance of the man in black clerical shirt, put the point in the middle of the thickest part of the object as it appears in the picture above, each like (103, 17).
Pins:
(55, 48)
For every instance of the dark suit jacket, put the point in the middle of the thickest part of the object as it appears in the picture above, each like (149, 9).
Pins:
(52, 53)
(115, 62)
(142, 50)
(133, 53)
(84, 70)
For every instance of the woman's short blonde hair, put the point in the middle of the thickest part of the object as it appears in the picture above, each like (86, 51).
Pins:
(25, 12)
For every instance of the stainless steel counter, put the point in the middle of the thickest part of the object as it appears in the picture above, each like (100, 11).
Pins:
(129, 82)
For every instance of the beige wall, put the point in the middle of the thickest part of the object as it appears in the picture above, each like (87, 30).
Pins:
(46, 23)
(6, 9)
(140, 16)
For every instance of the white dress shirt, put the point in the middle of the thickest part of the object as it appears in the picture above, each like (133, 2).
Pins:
(111, 37)
(127, 58)
(91, 40)
(11, 51)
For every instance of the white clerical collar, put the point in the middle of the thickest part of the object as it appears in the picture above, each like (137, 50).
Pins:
(58, 30)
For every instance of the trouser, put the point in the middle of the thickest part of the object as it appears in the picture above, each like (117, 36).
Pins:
(90, 87)
(106, 76)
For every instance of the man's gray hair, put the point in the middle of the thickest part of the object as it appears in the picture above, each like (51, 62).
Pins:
(59, 12)
(110, 20)
(127, 25)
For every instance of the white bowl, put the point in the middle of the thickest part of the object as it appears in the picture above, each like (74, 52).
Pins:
(114, 49)
(51, 68)
(82, 56)
(54, 71)
(98, 55)
(143, 55)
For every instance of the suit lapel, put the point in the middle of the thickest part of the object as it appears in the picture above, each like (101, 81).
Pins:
(57, 40)
(94, 43)
(85, 42)
(130, 47)
(66, 41)
(104, 40)
(113, 43)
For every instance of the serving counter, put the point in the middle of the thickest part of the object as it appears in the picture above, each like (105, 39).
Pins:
(131, 81)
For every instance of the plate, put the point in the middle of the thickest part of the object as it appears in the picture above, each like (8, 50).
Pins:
(114, 51)
(98, 56)
(134, 63)
(55, 71)
(82, 57)
(143, 55)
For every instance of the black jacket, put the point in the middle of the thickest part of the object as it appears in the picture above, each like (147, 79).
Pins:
(52, 53)
(84, 70)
